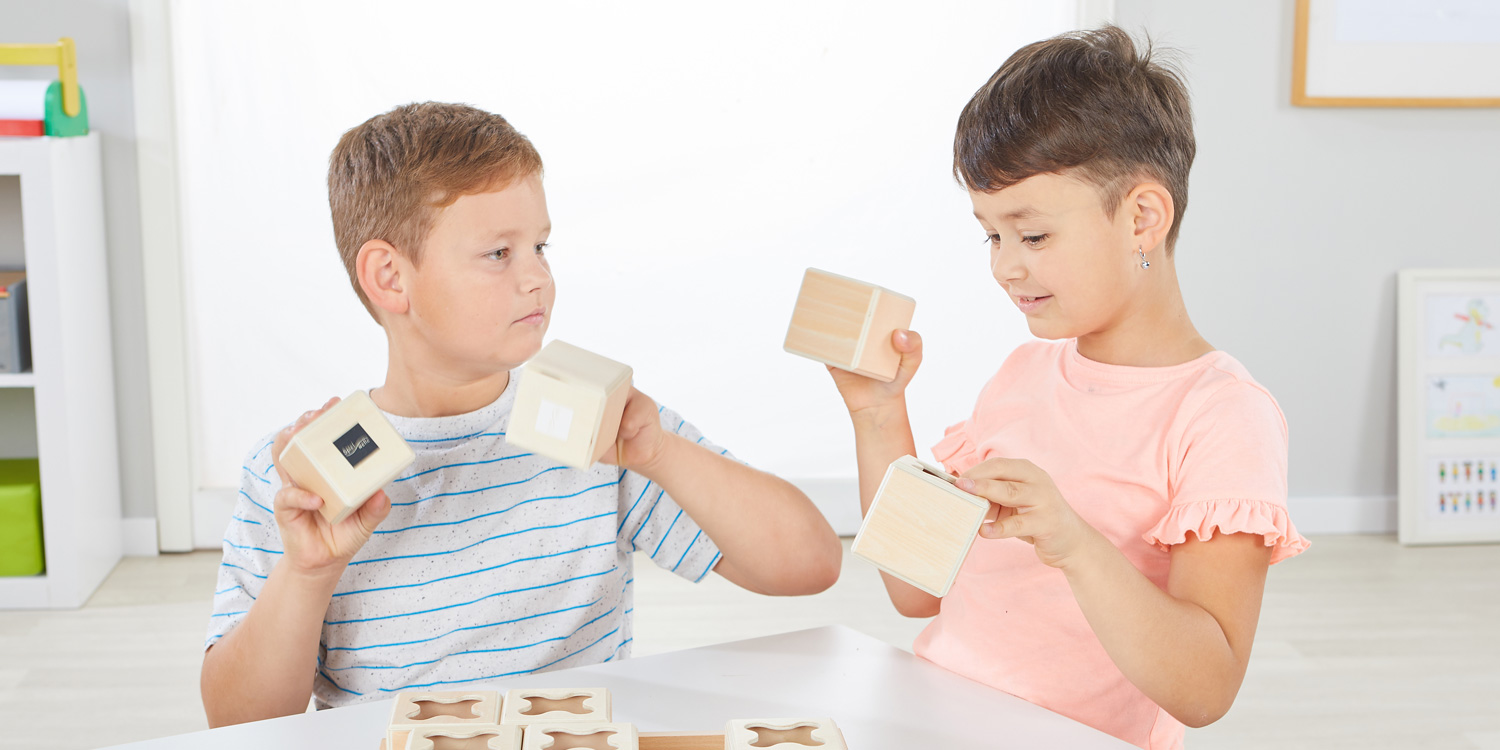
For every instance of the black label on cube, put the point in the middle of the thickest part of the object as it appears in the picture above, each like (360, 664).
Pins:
(356, 445)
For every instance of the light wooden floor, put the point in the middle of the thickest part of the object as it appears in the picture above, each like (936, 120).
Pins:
(1363, 644)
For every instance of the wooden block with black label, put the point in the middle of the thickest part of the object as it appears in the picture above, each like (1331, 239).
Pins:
(848, 324)
(568, 405)
(346, 455)
(920, 526)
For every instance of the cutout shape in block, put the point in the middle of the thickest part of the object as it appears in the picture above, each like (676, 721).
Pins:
(783, 734)
(920, 526)
(346, 455)
(589, 735)
(556, 705)
(466, 737)
(568, 405)
(848, 324)
(463, 709)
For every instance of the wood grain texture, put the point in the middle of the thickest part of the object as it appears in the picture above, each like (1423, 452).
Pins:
(919, 527)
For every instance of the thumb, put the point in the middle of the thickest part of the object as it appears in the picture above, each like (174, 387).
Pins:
(373, 511)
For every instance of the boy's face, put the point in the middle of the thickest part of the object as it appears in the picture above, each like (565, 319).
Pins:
(1066, 264)
(482, 296)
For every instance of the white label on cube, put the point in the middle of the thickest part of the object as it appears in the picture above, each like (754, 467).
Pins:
(554, 420)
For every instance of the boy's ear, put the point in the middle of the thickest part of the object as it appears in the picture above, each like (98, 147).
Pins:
(1150, 209)
(379, 266)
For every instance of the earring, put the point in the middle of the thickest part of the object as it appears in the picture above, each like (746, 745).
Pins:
(1144, 263)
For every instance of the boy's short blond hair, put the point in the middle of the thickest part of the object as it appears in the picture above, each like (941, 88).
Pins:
(388, 177)
(1087, 103)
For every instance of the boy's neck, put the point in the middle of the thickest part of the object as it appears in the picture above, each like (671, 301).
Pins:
(429, 392)
(1155, 332)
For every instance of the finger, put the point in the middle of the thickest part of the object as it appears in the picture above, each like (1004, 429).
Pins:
(373, 512)
(909, 344)
(1007, 469)
(1012, 526)
(285, 436)
(296, 498)
(998, 491)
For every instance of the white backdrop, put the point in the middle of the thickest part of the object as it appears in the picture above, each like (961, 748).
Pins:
(698, 157)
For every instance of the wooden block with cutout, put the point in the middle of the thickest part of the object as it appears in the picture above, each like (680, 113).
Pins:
(556, 706)
(783, 734)
(920, 526)
(451, 709)
(848, 324)
(568, 405)
(475, 737)
(602, 735)
(346, 455)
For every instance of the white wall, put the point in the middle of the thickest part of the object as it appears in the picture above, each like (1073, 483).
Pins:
(1299, 220)
(698, 158)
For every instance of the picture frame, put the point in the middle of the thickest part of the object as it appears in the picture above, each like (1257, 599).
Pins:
(1396, 53)
(1448, 411)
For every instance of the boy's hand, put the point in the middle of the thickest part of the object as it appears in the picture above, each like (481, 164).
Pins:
(861, 393)
(640, 440)
(311, 544)
(1027, 505)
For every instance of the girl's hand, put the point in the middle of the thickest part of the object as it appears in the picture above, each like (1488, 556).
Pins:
(862, 393)
(640, 440)
(1026, 505)
(310, 543)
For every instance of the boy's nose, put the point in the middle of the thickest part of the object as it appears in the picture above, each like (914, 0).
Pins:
(534, 274)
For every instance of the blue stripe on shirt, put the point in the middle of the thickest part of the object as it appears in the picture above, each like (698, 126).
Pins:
(505, 674)
(459, 630)
(481, 541)
(474, 601)
(472, 572)
(496, 512)
(686, 551)
(576, 631)
(481, 489)
(465, 463)
(667, 534)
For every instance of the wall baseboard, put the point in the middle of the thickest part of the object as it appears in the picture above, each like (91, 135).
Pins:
(839, 501)
(138, 537)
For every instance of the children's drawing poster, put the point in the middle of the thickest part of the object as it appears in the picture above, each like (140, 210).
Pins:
(1463, 325)
(1463, 406)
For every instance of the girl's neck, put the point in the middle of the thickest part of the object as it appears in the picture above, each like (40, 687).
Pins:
(1154, 332)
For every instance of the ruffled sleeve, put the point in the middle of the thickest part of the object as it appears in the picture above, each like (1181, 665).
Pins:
(1205, 517)
(956, 451)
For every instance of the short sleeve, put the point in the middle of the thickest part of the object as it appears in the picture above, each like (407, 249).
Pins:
(652, 522)
(1229, 474)
(252, 545)
(956, 451)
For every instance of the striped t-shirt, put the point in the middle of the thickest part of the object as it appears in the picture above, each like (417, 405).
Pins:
(493, 562)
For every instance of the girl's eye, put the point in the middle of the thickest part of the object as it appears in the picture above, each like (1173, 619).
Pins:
(541, 247)
(992, 239)
(1035, 239)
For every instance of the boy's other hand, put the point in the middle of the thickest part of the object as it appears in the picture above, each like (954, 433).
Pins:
(311, 544)
(640, 440)
(864, 393)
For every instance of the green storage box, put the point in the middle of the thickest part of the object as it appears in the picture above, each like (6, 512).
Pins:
(21, 518)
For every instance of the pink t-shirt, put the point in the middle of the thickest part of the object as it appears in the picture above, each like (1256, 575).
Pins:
(1144, 454)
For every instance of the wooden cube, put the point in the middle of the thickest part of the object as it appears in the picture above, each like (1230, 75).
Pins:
(346, 455)
(451, 709)
(592, 734)
(920, 526)
(470, 737)
(783, 734)
(556, 705)
(568, 405)
(848, 324)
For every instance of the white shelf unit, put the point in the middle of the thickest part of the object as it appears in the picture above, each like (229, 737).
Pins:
(72, 378)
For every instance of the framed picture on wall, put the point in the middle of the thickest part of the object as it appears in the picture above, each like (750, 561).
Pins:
(1396, 53)
(1448, 382)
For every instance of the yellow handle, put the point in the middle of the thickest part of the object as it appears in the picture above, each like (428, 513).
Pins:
(62, 54)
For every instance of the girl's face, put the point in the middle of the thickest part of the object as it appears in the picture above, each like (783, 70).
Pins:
(1069, 267)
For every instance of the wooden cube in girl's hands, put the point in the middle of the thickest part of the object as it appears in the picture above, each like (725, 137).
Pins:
(556, 705)
(783, 734)
(848, 324)
(346, 455)
(448, 710)
(920, 526)
(569, 404)
(581, 734)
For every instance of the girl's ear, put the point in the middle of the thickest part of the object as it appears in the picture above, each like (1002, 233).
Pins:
(379, 268)
(1151, 211)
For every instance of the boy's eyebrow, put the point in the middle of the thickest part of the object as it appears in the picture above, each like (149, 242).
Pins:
(504, 233)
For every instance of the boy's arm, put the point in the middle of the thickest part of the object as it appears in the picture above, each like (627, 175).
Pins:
(771, 537)
(266, 665)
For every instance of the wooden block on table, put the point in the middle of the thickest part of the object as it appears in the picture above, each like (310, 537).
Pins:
(414, 711)
(556, 705)
(568, 405)
(467, 737)
(346, 455)
(783, 734)
(848, 324)
(920, 526)
(680, 740)
(596, 735)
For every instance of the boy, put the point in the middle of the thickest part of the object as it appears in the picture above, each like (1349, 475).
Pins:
(481, 561)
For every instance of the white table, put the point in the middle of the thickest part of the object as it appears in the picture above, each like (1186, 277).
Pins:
(881, 697)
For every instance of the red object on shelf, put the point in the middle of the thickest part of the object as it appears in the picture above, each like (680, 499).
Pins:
(22, 127)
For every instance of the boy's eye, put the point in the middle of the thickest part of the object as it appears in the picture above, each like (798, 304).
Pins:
(1035, 239)
(500, 254)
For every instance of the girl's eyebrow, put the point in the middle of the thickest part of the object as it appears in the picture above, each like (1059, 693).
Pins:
(1025, 212)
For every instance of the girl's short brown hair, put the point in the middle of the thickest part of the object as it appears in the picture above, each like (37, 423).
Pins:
(388, 177)
(1087, 103)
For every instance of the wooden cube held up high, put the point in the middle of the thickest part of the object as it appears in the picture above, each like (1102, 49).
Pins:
(848, 324)
(346, 455)
(920, 526)
(568, 405)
